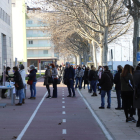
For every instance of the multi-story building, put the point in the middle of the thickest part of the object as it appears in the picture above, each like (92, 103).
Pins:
(19, 31)
(40, 48)
(6, 49)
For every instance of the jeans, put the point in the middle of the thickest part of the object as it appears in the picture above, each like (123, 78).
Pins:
(93, 85)
(78, 79)
(21, 95)
(33, 89)
(118, 93)
(103, 93)
(55, 88)
(71, 87)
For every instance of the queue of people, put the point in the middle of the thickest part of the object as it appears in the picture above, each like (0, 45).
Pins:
(126, 80)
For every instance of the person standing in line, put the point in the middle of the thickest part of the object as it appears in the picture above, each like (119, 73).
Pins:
(32, 77)
(69, 79)
(127, 92)
(100, 71)
(79, 73)
(86, 77)
(93, 80)
(106, 84)
(117, 82)
(54, 76)
(19, 85)
(136, 79)
(23, 76)
(6, 80)
(48, 74)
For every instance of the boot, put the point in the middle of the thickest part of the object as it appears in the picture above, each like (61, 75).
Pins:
(23, 101)
(93, 94)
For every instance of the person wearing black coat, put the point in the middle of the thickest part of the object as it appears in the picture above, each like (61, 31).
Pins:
(106, 84)
(86, 82)
(6, 80)
(93, 80)
(117, 82)
(69, 74)
(19, 85)
(32, 77)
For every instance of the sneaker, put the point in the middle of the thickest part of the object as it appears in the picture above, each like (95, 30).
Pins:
(101, 107)
(69, 96)
(129, 120)
(17, 98)
(30, 98)
(118, 108)
(133, 119)
(108, 107)
(48, 96)
(73, 96)
(19, 104)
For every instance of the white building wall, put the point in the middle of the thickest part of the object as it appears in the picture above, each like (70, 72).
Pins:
(6, 30)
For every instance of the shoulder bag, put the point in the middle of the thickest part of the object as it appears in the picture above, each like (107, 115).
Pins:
(129, 84)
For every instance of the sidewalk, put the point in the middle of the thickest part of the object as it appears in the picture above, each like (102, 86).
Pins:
(114, 120)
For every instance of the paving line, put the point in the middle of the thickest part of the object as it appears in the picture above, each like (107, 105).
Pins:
(64, 131)
(63, 102)
(64, 120)
(31, 118)
(63, 106)
(63, 98)
(63, 112)
(108, 136)
(62, 95)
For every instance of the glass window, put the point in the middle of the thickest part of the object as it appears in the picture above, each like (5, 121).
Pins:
(30, 41)
(45, 52)
(30, 22)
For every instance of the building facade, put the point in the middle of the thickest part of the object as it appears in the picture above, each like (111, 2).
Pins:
(6, 48)
(19, 31)
(40, 48)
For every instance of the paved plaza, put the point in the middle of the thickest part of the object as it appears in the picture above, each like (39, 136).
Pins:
(64, 118)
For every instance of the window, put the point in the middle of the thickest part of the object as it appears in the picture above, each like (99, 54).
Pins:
(30, 41)
(10, 41)
(45, 52)
(10, 63)
(30, 22)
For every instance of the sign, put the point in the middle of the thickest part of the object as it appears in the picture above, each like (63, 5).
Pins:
(138, 56)
(138, 43)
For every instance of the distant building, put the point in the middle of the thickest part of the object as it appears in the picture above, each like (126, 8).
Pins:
(6, 48)
(40, 48)
(19, 31)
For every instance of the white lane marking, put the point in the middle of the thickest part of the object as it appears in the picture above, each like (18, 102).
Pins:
(63, 112)
(64, 131)
(63, 98)
(109, 137)
(31, 119)
(64, 120)
(63, 102)
(63, 106)
(62, 95)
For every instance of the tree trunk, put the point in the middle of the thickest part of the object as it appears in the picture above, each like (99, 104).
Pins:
(94, 53)
(105, 46)
(101, 56)
(75, 59)
(135, 35)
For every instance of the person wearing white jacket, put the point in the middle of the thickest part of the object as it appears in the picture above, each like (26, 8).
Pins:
(23, 76)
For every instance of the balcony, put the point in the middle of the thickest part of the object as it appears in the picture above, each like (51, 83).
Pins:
(36, 25)
(38, 35)
(39, 46)
(39, 55)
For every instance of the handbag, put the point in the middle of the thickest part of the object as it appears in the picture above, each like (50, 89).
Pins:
(16, 85)
(30, 82)
(58, 81)
(129, 84)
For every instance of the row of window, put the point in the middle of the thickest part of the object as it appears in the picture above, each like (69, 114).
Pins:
(4, 16)
(34, 52)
